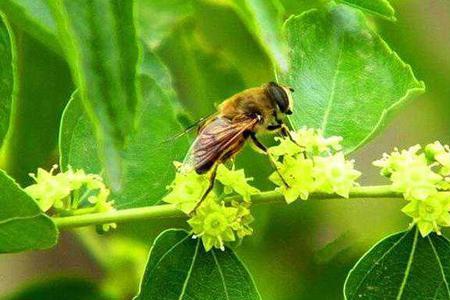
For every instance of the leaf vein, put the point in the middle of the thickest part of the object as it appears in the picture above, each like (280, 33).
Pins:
(378, 260)
(221, 274)
(441, 268)
(19, 218)
(408, 266)
(188, 275)
(333, 89)
(165, 254)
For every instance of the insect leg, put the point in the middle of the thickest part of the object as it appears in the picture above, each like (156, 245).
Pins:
(212, 179)
(284, 131)
(263, 148)
(274, 127)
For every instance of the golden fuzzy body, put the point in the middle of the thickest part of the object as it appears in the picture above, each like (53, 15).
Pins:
(253, 101)
(239, 117)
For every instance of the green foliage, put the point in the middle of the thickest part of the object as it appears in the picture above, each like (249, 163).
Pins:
(158, 17)
(60, 288)
(220, 27)
(35, 18)
(402, 266)
(198, 74)
(264, 18)
(346, 79)
(178, 267)
(42, 87)
(147, 146)
(380, 8)
(103, 61)
(22, 224)
(6, 75)
(127, 105)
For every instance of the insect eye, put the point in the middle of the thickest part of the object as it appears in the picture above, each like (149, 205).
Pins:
(279, 96)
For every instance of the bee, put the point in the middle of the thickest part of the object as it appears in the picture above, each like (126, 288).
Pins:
(239, 119)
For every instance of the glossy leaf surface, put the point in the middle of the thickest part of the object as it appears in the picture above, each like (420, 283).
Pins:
(179, 268)
(402, 266)
(346, 79)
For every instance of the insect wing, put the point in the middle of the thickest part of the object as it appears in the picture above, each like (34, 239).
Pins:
(196, 125)
(216, 138)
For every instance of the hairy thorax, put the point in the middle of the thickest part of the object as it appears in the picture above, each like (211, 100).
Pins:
(253, 103)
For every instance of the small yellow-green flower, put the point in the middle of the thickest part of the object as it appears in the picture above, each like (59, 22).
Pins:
(49, 188)
(440, 155)
(242, 221)
(314, 142)
(416, 182)
(286, 147)
(235, 180)
(312, 163)
(420, 176)
(186, 190)
(437, 152)
(69, 190)
(410, 171)
(297, 173)
(444, 185)
(213, 223)
(397, 160)
(430, 214)
(307, 140)
(334, 174)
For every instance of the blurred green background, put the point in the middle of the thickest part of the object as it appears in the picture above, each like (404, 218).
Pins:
(301, 251)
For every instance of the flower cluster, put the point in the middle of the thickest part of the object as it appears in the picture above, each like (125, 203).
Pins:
(214, 221)
(422, 176)
(186, 189)
(235, 181)
(308, 162)
(69, 192)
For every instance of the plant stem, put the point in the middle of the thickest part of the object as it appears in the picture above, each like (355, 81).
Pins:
(170, 211)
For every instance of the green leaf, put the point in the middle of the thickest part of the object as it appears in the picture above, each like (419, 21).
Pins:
(346, 79)
(22, 224)
(402, 266)
(77, 143)
(179, 268)
(221, 30)
(42, 86)
(157, 18)
(100, 44)
(7, 63)
(35, 18)
(60, 288)
(153, 67)
(147, 159)
(202, 79)
(381, 8)
(264, 19)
